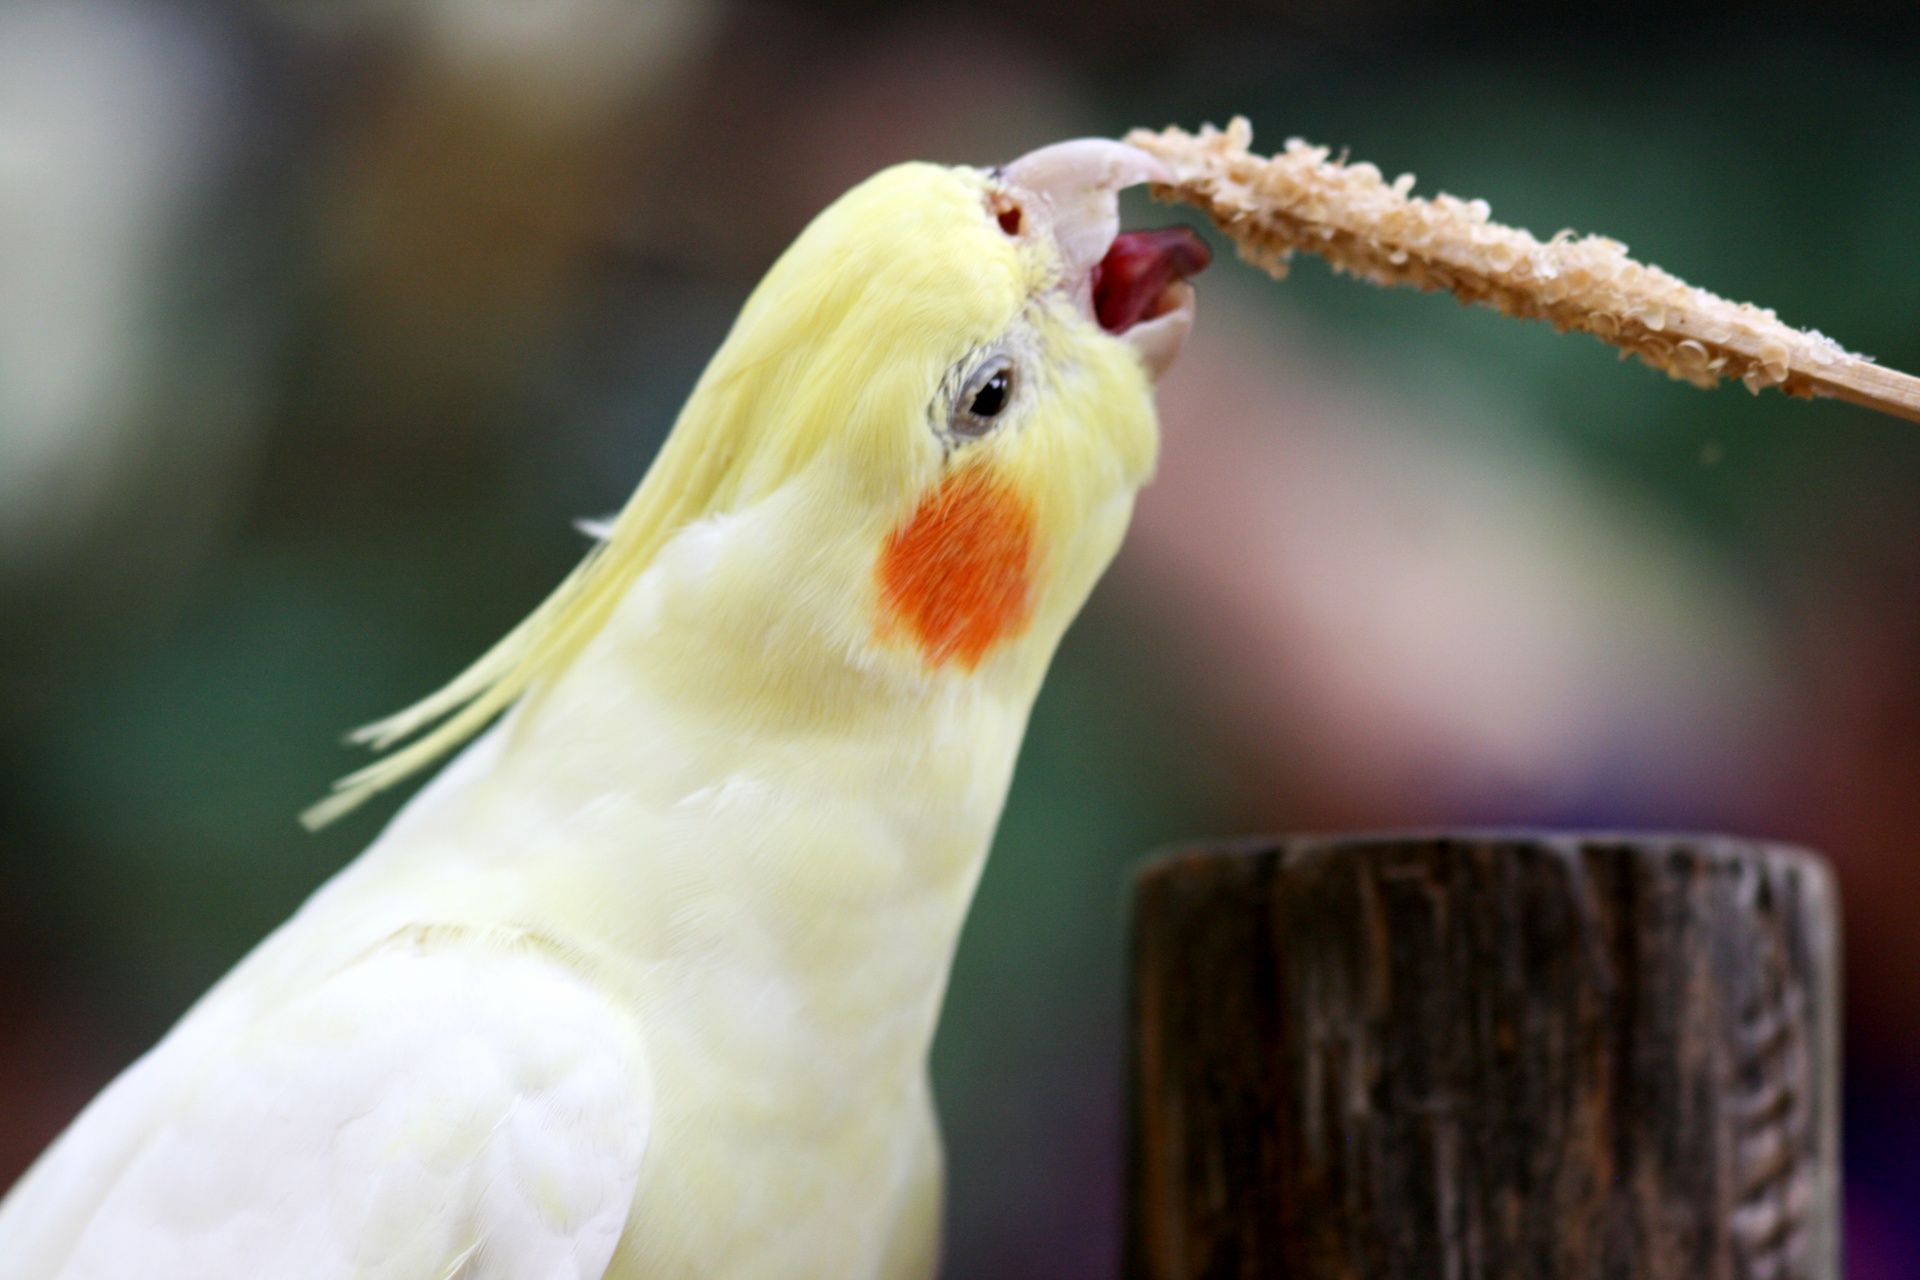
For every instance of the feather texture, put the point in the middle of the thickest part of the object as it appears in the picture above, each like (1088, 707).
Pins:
(642, 984)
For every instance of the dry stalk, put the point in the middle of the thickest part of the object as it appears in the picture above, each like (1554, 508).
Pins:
(1362, 224)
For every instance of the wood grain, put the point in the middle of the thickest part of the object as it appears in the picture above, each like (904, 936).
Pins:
(1511, 1056)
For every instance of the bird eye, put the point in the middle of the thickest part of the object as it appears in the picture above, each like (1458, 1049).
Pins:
(983, 399)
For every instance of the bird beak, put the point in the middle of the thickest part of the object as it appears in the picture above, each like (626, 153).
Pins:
(1133, 285)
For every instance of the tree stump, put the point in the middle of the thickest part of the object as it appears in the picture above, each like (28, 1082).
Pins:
(1509, 1057)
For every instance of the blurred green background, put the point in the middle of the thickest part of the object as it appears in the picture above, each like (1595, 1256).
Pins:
(321, 322)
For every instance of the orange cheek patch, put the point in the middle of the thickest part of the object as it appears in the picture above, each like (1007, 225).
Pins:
(955, 575)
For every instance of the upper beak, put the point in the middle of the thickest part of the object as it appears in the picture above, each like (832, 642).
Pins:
(1135, 285)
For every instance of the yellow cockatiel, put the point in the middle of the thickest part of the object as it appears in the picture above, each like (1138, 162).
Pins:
(642, 985)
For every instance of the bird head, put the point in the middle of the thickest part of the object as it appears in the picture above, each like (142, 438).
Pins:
(942, 393)
(964, 358)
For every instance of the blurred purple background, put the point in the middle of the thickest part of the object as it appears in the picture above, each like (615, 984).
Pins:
(320, 322)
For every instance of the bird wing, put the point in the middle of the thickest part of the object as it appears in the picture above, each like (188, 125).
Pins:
(433, 1111)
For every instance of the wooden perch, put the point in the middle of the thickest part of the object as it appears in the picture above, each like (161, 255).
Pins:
(1505, 1057)
(1362, 224)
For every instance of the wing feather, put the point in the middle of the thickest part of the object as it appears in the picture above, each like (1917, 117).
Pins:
(424, 1112)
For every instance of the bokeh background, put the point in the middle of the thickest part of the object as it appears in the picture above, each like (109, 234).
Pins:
(320, 323)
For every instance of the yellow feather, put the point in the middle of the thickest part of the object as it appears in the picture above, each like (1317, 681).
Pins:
(761, 738)
(772, 396)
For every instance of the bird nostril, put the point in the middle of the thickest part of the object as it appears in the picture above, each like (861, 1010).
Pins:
(1129, 281)
(1007, 213)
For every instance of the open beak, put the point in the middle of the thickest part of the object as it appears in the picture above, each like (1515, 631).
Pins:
(1134, 285)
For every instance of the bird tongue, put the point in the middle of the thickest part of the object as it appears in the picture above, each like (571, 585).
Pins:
(1130, 283)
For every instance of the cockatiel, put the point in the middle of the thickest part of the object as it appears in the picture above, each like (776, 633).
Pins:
(642, 985)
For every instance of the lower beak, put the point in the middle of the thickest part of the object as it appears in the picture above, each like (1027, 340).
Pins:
(1160, 338)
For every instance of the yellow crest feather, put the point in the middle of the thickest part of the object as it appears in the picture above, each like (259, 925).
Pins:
(745, 428)
(545, 641)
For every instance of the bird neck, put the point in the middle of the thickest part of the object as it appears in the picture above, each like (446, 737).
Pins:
(732, 771)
